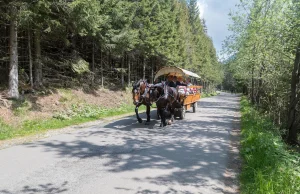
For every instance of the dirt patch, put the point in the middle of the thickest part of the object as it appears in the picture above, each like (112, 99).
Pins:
(6, 114)
(104, 98)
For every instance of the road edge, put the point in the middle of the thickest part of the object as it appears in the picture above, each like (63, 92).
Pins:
(52, 132)
(234, 164)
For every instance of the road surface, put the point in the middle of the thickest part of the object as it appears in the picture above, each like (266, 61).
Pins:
(195, 155)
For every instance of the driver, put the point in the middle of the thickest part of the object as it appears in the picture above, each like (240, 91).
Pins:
(171, 82)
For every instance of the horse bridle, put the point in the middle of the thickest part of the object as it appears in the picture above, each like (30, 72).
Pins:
(139, 91)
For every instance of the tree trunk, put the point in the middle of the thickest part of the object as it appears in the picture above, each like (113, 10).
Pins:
(30, 59)
(152, 72)
(245, 90)
(144, 69)
(129, 71)
(74, 42)
(13, 61)
(252, 86)
(259, 92)
(122, 72)
(93, 63)
(109, 61)
(294, 100)
(208, 87)
(38, 64)
(101, 65)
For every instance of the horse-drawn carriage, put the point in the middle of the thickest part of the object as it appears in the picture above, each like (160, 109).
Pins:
(189, 95)
(170, 98)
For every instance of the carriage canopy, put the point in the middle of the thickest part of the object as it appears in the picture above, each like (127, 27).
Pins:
(175, 71)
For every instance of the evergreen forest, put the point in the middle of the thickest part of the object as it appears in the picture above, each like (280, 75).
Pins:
(99, 43)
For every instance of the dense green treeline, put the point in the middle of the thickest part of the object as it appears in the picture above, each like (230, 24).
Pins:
(264, 61)
(100, 42)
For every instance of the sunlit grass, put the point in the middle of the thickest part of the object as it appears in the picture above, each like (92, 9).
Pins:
(6, 131)
(78, 115)
(268, 164)
(205, 95)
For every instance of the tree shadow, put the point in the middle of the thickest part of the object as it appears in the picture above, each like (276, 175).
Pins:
(41, 188)
(191, 154)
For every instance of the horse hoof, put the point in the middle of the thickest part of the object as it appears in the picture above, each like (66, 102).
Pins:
(147, 123)
(169, 122)
(140, 120)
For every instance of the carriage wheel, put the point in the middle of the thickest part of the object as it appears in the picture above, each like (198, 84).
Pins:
(194, 107)
(182, 113)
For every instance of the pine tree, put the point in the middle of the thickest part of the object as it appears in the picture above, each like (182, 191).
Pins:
(13, 65)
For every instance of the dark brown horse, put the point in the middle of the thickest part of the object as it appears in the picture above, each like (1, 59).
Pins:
(141, 96)
(166, 99)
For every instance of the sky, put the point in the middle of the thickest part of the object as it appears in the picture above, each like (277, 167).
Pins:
(215, 13)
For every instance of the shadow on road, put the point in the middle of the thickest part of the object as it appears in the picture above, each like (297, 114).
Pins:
(190, 151)
(41, 188)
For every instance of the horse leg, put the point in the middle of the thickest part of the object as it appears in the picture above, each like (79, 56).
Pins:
(157, 114)
(148, 115)
(169, 109)
(160, 111)
(164, 114)
(172, 111)
(162, 117)
(137, 113)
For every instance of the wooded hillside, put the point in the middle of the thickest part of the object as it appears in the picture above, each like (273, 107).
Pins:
(90, 43)
(265, 60)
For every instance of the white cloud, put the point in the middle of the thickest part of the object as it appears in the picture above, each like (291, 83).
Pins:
(215, 13)
(202, 5)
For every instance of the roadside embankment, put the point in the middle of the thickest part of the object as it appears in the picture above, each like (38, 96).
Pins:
(60, 108)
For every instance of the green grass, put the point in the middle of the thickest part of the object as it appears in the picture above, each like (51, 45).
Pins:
(78, 114)
(268, 164)
(206, 95)
(20, 107)
(6, 131)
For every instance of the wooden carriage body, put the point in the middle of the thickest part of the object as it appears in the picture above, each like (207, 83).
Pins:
(190, 99)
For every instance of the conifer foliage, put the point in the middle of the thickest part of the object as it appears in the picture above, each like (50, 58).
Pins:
(100, 42)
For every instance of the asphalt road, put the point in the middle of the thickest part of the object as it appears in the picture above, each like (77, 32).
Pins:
(195, 155)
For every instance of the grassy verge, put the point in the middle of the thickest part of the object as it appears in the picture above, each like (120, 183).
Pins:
(268, 165)
(76, 115)
(205, 95)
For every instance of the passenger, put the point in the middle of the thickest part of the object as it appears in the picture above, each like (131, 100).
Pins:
(181, 87)
(171, 82)
(188, 83)
(189, 89)
(179, 82)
